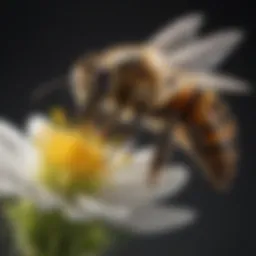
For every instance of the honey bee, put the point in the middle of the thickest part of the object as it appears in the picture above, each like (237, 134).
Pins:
(138, 76)
(168, 78)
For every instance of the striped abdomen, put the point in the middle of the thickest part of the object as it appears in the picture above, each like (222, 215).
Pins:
(212, 131)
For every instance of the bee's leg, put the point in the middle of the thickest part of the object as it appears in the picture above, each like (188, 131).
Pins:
(111, 123)
(82, 117)
(163, 147)
(90, 111)
(136, 128)
(131, 131)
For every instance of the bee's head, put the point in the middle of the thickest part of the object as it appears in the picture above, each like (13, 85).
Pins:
(89, 85)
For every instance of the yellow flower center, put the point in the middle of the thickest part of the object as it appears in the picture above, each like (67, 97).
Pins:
(72, 155)
(69, 150)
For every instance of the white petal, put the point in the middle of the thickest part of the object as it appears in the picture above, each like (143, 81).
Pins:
(35, 123)
(44, 199)
(13, 174)
(8, 189)
(129, 173)
(10, 166)
(17, 162)
(14, 185)
(23, 190)
(129, 185)
(13, 140)
(138, 193)
(95, 209)
(21, 159)
(17, 149)
(172, 181)
(75, 214)
(149, 220)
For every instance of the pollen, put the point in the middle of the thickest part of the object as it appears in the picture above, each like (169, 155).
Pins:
(74, 153)
(58, 116)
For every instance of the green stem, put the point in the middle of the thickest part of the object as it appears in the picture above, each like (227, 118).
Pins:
(54, 241)
(49, 234)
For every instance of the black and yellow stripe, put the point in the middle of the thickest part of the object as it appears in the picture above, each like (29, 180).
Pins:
(213, 132)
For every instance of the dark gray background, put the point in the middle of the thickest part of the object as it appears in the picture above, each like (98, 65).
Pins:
(41, 38)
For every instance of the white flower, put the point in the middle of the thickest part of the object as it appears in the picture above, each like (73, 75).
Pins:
(123, 201)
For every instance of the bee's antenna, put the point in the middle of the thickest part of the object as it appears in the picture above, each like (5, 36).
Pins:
(49, 87)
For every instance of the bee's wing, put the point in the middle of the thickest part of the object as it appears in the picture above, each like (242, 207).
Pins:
(217, 82)
(208, 52)
(178, 31)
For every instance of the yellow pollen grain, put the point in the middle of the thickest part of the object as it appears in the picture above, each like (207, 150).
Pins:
(58, 116)
(69, 150)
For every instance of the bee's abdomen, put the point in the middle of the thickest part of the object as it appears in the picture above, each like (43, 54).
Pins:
(213, 133)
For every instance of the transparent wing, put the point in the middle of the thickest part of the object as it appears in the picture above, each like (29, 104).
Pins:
(208, 52)
(178, 31)
(217, 82)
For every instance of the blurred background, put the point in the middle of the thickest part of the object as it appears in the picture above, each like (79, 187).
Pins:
(41, 39)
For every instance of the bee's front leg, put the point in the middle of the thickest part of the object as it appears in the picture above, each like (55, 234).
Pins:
(87, 118)
(110, 123)
(163, 148)
(132, 133)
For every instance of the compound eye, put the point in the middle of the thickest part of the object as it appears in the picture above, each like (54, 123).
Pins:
(103, 79)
